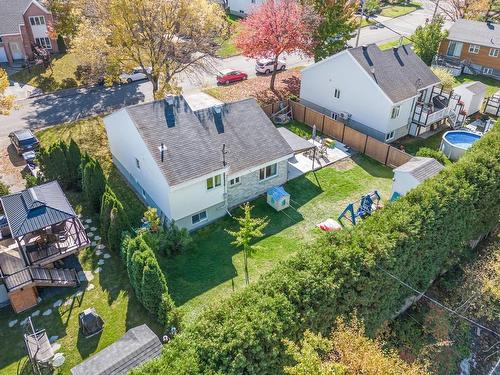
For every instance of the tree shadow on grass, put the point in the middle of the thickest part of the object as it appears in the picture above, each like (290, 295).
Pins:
(209, 262)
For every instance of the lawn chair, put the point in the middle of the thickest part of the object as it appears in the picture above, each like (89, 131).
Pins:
(38, 346)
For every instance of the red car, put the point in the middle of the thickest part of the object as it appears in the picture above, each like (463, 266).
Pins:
(227, 76)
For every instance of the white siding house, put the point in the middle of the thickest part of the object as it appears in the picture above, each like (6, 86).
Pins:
(195, 165)
(242, 7)
(373, 91)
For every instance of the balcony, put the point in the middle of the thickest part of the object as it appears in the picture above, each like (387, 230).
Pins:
(426, 114)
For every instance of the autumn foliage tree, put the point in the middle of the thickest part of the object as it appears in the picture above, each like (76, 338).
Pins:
(278, 27)
(468, 9)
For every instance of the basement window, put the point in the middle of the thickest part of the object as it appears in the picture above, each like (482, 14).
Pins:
(199, 217)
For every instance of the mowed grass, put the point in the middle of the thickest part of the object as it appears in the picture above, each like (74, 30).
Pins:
(60, 75)
(228, 47)
(213, 268)
(413, 144)
(394, 43)
(399, 10)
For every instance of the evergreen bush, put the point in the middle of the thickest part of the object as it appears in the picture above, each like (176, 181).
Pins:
(93, 183)
(430, 153)
(415, 239)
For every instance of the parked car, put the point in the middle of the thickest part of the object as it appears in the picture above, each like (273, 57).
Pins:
(24, 140)
(267, 66)
(227, 76)
(136, 75)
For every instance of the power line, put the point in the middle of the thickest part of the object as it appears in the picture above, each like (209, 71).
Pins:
(439, 303)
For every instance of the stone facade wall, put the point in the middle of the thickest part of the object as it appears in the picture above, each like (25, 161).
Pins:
(213, 213)
(250, 187)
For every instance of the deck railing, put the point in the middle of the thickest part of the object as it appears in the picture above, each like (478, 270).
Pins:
(40, 276)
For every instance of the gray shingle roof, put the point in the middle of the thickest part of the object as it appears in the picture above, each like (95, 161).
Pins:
(298, 144)
(194, 140)
(399, 72)
(137, 346)
(476, 87)
(36, 208)
(11, 15)
(421, 168)
(476, 32)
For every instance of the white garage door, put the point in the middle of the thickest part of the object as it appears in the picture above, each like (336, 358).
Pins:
(3, 55)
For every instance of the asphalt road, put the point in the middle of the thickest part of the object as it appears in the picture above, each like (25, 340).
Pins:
(68, 105)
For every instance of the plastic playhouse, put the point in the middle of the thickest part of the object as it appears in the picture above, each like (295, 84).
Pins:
(361, 208)
(278, 198)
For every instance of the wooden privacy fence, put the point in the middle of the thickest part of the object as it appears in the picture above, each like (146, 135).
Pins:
(380, 151)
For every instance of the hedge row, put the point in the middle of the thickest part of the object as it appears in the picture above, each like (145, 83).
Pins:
(415, 238)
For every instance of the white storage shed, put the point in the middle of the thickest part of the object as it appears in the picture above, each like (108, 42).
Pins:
(472, 94)
(413, 173)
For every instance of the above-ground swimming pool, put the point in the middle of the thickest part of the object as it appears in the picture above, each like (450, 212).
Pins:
(456, 142)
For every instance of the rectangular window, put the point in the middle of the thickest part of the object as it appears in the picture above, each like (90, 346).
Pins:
(199, 217)
(268, 172)
(214, 181)
(37, 20)
(43, 42)
(493, 52)
(335, 115)
(389, 136)
(395, 112)
(137, 163)
(234, 181)
(454, 49)
(474, 48)
(336, 94)
(488, 71)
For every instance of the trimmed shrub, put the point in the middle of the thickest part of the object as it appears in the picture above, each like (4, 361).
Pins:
(415, 239)
(4, 189)
(168, 315)
(118, 224)
(107, 203)
(61, 162)
(153, 284)
(93, 183)
(177, 239)
(430, 153)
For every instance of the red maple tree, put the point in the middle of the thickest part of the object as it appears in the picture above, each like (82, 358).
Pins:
(277, 27)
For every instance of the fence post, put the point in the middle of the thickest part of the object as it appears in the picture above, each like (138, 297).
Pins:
(387, 156)
(343, 132)
(366, 141)
(305, 109)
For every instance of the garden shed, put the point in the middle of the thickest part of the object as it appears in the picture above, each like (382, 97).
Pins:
(413, 173)
(472, 94)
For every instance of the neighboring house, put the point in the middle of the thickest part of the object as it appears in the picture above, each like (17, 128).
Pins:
(471, 47)
(413, 173)
(195, 165)
(385, 94)
(45, 230)
(138, 345)
(24, 23)
(242, 7)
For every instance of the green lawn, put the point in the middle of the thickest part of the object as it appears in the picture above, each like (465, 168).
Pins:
(413, 144)
(213, 267)
(61, 74)
(228, 48)
(394, 43)
(399, 10)
(299, 128)
(493, 84)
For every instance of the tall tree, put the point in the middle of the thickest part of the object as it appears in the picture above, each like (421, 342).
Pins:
(337, 24)
(6, 101)
(277, 27)
(250, 228)
(427, 38)
(171, 37)
(469, 9)
(93, 183)
(67, 17)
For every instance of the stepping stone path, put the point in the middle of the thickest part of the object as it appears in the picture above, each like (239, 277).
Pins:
(106, 256)
(97, 238)
(93, 229)
(86, 226)
(97, 270)
(101, 262)
(78, 294)
(93, 243)
(90, 287)
(58, 303)
(47, 312)
(35, 313)
(53, 339)
(88, 221)
(100, 246)
(90, 234)
(12, 323)
(98, 253)
(56, 347)
(68, 302)
(23, 322)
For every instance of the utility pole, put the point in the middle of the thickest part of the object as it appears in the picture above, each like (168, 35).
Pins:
(435, 9)
(360, 21)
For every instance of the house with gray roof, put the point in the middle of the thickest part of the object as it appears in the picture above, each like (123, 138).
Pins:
(472, 47)
(44, 230)
(138, 345)
(386, 94)
(194, 165)
(24, 23)
(413, 173)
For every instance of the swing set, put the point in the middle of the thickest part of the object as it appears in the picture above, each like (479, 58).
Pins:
(362, 208)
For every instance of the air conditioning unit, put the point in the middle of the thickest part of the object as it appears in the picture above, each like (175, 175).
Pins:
(345, 115)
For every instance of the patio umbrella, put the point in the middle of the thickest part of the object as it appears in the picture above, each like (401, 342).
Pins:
(314, 132)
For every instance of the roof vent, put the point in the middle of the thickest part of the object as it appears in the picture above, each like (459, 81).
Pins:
(395, 48)
(364, 46)
(217, 108)
(169, 99)
(372, 70)
(162, 149)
